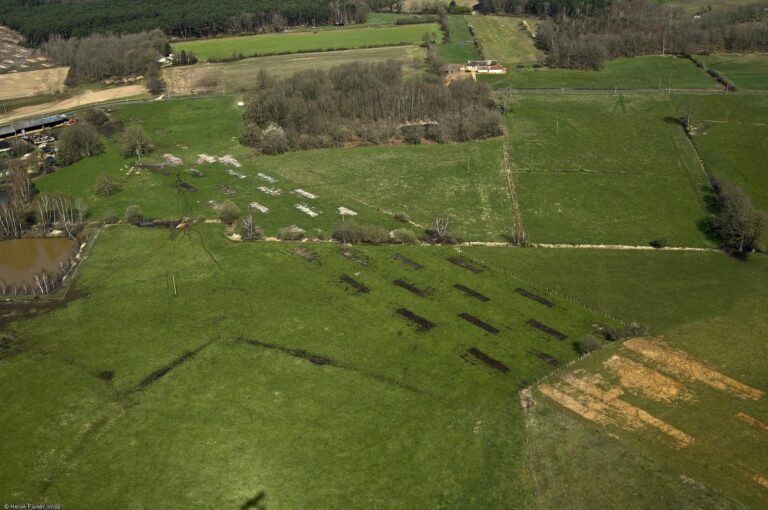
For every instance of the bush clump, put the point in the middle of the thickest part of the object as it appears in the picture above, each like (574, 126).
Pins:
(106, 185)
(589, 343)
(402, 217)
(229, 212)
(376, 234)
(404, 236)
(292, 233)
(348, 231)
(133, 214)
(109, 217)
(629, 331)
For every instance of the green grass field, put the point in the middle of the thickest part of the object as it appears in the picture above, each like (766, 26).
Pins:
(746, 71)
(425, 181)
(175, 128)
(654, 72)
(389, 403)
(505, 39)
(604, 169)
(464, 180)
(663, 289)
(299, 42)
(732, 138)
(696, 301)
(461, 46)
(725, 454)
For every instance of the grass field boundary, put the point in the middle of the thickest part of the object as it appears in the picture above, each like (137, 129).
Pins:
(520, 232)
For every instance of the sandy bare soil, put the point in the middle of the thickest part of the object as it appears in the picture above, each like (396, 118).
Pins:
(86, 98)
(32, 83)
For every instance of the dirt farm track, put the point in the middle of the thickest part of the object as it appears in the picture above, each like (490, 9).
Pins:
(86, 98)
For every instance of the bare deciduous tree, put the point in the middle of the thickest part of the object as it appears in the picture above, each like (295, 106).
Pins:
(21, 185)
(135, 142)
(249, 230)
(11, 221)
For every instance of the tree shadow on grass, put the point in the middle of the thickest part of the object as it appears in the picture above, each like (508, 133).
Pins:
(256, 502)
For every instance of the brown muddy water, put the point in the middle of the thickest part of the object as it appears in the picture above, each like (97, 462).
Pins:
(21, 259)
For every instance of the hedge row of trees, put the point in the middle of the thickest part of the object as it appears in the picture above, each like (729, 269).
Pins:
(543, 7)
(641, 27)
(38, 20)
(364, 103)
(101, 56)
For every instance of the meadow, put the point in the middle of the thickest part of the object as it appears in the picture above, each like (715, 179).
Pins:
(504, 38)
(305, 41)
(708, 432)
(731, 136)
(746, 71)
(652, 72)
(695, 301)
(234, 398)
(242, 75)
(464, 180)
(605, 169)
(461, 47)
(663, 289)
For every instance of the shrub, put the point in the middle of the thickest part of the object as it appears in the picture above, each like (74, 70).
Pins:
(249, 230)
(659, 243)
(589, 344)
(402, 217)
(629, 331)
(135, 142)
(348, 231)
(77, 142)
(740, 227)
(273, 140)
(292, 233)
(441, 231)
(106, 185)
(109, 217)
(404, 236)
(133, 214)
(200, 219)
(250, 135)
(96, 116)
(229, 212)
(376, 234)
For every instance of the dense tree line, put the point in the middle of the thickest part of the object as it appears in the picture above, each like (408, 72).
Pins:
(38, 20)
(543, 7)
(101, 56)
(365, 103)
(640, 27)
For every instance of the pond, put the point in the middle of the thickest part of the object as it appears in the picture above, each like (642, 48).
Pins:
(21, 259)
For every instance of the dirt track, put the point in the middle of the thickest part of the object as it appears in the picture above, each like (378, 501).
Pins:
(31, 83)
(86, 98)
